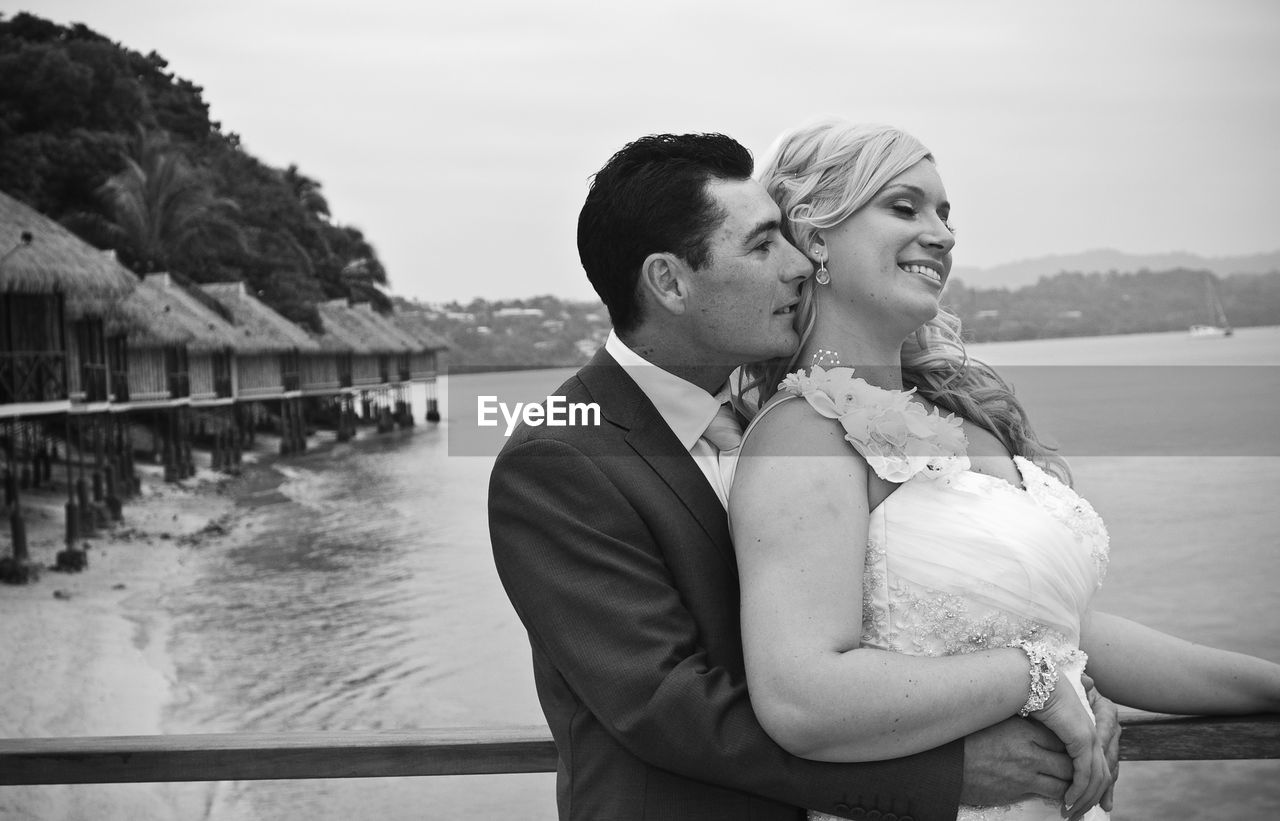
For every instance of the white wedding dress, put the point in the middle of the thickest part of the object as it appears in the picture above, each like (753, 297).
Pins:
(959, 561)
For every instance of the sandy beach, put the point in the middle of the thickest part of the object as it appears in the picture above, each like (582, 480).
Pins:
(84, 653)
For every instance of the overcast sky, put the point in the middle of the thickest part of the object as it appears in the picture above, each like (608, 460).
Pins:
(459, 137)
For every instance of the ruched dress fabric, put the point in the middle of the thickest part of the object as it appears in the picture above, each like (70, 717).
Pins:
(968, 562)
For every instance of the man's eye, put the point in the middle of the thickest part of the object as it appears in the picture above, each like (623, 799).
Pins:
(765, 246)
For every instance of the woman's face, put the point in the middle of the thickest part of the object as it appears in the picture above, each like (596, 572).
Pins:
(889, 260)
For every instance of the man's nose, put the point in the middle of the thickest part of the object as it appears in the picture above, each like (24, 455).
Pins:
(798, 266)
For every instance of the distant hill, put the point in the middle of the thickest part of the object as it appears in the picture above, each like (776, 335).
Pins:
(547, 331)
(1025, 272)
(1112, 302)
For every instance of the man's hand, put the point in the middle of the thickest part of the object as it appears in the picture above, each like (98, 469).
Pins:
(1108, 720)
(1013, 760)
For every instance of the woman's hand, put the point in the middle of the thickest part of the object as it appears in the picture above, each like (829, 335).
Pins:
(1066, 715)
(1107, 721)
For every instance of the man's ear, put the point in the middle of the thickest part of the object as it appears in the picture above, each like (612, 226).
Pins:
(662, 279)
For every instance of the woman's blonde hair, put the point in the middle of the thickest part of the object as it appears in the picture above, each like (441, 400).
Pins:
(819, 175)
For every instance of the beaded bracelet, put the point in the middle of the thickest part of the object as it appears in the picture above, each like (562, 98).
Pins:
(1044, 674)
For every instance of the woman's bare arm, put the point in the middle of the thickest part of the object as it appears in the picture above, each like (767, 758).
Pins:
(1144, 668)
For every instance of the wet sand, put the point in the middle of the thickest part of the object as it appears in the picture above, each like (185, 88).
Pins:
(84, 654)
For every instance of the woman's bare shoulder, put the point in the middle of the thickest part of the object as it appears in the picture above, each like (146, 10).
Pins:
(784, 428)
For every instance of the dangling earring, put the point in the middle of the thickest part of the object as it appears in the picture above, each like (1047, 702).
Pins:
(821, 276)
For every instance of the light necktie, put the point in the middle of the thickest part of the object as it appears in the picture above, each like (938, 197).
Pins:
(724, 431)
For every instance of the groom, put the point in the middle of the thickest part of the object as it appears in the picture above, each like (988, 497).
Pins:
(612, 541)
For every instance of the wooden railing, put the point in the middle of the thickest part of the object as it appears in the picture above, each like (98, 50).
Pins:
(474, 751)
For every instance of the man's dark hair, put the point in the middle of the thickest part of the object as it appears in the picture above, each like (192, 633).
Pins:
(651, 197)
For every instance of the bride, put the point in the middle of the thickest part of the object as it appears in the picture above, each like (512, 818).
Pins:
(914, 564)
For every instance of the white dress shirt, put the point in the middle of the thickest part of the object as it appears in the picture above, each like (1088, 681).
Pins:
(686, 408)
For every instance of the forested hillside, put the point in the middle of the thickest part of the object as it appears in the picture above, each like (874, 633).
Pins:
(117, 148)
(1116, 302)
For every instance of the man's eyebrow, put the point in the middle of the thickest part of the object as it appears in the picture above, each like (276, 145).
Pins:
(763, 227)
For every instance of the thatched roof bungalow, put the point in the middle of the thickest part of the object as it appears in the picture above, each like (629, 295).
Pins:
(422, 363)
(331, 370)
(267, 347)
(426, 360)
(182, 344)
(373, 347)
(39, 256)
(49, 277)
(405, 345)
(157, 344)
(366, 313)
(342, 331)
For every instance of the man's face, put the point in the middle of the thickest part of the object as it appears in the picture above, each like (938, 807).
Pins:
(742, 301)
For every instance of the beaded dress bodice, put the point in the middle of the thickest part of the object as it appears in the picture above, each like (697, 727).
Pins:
(958, 561)
(970, 562)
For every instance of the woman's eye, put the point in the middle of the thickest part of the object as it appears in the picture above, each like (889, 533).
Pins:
(906, 209)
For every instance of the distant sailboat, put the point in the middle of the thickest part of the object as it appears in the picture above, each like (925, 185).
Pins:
(1219, 326)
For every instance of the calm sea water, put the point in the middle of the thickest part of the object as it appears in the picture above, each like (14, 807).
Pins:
(359, 594)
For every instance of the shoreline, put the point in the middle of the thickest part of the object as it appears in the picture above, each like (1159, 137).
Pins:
(101, 624)
(88, 653)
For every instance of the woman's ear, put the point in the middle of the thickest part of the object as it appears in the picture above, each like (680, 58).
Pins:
(662, 279)
(817, 250)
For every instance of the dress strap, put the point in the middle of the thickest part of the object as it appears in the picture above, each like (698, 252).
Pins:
(777, 400)
(728, 463)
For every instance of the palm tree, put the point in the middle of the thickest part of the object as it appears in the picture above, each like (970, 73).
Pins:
(159, 202)
(307, 191)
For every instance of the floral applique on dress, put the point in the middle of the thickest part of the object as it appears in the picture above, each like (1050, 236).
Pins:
(899, 438)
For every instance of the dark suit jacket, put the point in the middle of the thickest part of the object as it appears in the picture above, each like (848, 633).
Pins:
(615, 552)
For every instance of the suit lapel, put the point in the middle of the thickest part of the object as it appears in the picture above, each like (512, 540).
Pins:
(625, 405)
